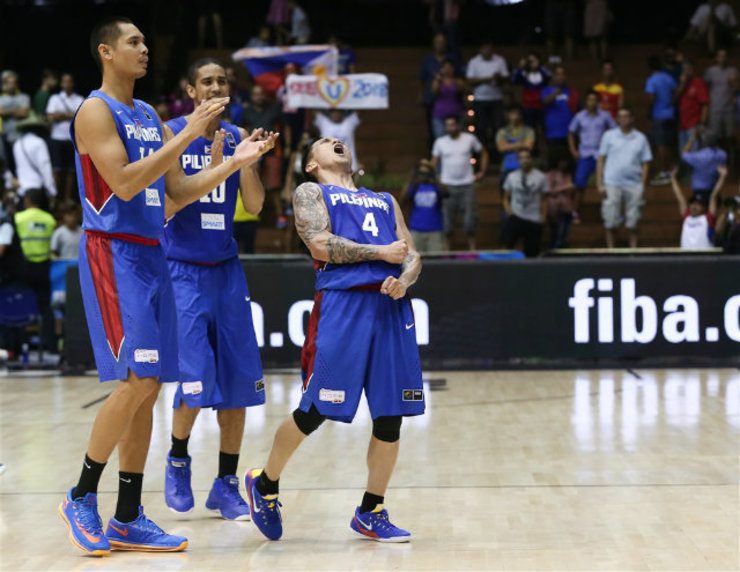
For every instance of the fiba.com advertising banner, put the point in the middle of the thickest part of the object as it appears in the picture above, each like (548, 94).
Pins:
(479, 314)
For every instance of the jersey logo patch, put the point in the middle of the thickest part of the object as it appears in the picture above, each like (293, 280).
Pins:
(230, 141)
(152, 198)
(331, 395)
(413, 395)
(212, 221)
(259, 385)
(146, 356)
(192, 387)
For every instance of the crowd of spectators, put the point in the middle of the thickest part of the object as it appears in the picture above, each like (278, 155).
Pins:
(534, 112)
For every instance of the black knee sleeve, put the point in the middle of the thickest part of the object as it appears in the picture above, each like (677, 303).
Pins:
(387, 429)
(308, 422)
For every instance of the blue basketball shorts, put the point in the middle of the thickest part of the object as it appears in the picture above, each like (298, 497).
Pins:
(361, 340)
(220, 364)
(130, 307)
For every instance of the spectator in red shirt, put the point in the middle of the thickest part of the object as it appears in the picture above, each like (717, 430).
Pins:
(693, 103)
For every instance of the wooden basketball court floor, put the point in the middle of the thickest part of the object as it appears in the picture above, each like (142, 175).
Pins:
(545, 470)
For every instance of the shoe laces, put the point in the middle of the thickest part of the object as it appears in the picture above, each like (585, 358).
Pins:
(181, 481)
(383, 520)
(148, 525)
(232, 492)
(88, 517)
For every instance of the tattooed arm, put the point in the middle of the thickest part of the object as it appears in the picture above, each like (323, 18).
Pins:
(410, 269)
(312, 224)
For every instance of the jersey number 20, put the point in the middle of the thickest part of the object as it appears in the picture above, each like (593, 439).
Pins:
(369, 224)
(217, 195)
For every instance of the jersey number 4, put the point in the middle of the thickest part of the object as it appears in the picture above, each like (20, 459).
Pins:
(369, 224)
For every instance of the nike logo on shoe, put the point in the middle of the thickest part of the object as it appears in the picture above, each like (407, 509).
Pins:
(122, 532)
(368, 526)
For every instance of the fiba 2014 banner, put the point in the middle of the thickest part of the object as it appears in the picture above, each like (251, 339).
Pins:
(682, 310)
(351, 91)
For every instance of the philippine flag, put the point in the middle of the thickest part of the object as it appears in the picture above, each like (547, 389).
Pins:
(268, 65)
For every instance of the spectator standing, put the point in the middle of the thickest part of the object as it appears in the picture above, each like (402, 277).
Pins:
(179, 102)
(65, 241)
(262, 113)
(261, 39)
(35, 227)
(278, 16)
(511, 139)
(524, 190)
(448, 98)
(49, 84)
(723, 84)
(245, 227)
(621, 175)
(584, 136)
(209, 11)
(728, 227)
(338, 124)
(347, 59)
(611, 93)
(300, 29)
(14, 106)
(560, 21)
(560, 203)
(11, 256)
(486, 73)
(693, 104)
(427, 219)
(31, 153)
(453, 155)
(660, 87)
(697, 231)
(430, 66)
(596, 18)
(713, 22)
(560, 104)
(533, 77)
(60, 111)
(704, 161)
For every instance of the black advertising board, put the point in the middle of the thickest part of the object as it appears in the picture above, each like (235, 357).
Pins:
(583, 311)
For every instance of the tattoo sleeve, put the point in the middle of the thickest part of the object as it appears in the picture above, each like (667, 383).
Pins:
(312, 224)
(411, 268)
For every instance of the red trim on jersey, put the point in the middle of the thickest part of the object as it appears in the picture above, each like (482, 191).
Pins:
(308, 354)
(100, 259)
(97, 191)
(374, 287)
(135, 238)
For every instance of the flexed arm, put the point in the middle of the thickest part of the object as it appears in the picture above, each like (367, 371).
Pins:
(313, 226)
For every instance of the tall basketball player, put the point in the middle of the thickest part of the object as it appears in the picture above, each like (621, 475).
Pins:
(219, 358)
(361, 334)
(122, 160)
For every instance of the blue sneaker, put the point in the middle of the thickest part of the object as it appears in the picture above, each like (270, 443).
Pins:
(143, 535)
(84, 524)
(265, 510)
(376, 526)
(178, 493)
(225, 498)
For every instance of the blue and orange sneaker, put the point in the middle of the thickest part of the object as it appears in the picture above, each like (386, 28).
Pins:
(142, 535)
(84, 524)
(178, 492)
(265, 510)
(225, 498)
(376, 526)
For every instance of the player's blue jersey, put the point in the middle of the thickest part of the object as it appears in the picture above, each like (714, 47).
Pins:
(204, 230)
(364, 217)
(141, 133)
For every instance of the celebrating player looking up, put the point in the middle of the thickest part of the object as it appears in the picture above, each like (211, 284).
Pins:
(219, 358)
(361, 334)
(123, 159)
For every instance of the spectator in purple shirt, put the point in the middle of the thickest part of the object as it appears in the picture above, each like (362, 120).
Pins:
(430, 66)
(586, 130)
(448, 93)
(704, 162)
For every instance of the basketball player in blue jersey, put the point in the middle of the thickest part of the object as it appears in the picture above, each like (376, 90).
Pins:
(361, 334)
(220, 363)
(125, 165)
